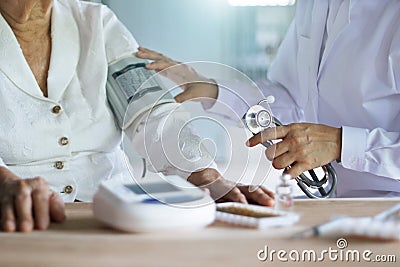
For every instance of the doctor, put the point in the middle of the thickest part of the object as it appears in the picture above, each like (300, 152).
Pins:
(337, 74)
(58, 136)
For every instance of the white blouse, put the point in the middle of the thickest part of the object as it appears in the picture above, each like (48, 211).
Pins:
(70, 137)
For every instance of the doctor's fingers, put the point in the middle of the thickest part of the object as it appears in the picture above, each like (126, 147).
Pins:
(285, 152)
(160, 66)
(284, 160)
(297, 168)
(290, 150)
(183, 75)
(274, 133)
(146, 53)
(161, 62)
(276, 150)
(180, 74)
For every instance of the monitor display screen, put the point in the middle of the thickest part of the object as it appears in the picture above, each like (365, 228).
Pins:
(153, 188)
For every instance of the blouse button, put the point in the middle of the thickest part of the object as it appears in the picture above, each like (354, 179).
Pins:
(63, 141)
(56, 109)
(59, 165)
(68, 189)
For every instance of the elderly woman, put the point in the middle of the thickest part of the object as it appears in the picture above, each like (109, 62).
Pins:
(55, 123)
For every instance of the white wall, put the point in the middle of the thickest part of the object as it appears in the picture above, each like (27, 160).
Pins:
(183, 29)
(210, 30)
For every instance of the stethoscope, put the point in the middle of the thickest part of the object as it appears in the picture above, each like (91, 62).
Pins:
(257, 119)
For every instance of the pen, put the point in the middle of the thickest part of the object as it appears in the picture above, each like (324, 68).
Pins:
(384, 225)
(321, 229)
(392, 213)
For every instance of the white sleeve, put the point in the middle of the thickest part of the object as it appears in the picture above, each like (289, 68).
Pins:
(234, 99)
(283, 80)
(284, 108)
(233, 104)
(375, 151)
(282, 75)
(118, 39)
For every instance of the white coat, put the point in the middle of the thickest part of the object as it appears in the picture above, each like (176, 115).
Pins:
(339, 65)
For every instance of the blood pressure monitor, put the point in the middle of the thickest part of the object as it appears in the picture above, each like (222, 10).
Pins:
(154, 205)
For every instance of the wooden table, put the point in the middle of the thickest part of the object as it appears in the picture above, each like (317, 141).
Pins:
(82, 241)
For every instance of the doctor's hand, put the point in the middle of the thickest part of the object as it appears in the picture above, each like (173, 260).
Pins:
(304, 146)
(194, 85)
(222, 190)
(27, 204)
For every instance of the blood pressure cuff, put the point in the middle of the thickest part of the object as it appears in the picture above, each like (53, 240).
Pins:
(152, 121)
(133, 90)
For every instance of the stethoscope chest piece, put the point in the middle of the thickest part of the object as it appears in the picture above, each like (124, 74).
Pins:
(259, 118)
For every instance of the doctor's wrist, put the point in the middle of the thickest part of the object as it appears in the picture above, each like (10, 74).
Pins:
(211, 96)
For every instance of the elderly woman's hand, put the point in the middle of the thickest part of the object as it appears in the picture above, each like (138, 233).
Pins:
(223, 190)
(27, 204)
(195, 86)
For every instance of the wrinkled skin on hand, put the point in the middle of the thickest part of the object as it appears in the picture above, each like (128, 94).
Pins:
(195, 86)
(304, 146)
(218, 186)
(27, 204)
